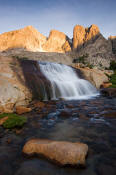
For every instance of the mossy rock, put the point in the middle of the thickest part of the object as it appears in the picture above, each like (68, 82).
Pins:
(13, 120)
(9, 115)
(113, 80)
(6, 114)
(113, 86)
(113, 65)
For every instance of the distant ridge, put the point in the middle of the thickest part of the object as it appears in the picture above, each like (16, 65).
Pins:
(30, 39)
(87, 41)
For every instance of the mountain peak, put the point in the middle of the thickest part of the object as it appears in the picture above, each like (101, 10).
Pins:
(28, 38)
(82, 35)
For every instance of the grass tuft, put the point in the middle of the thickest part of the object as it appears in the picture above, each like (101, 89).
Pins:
(13, 120)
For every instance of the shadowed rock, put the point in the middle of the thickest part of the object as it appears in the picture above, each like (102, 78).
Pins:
(22, 109)
(113, 42)
(108, 92)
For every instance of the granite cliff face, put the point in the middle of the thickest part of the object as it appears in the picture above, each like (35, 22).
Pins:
(91, 32)
(30, 39)
(86, 41)
(90, 42)
(78, 36)
(12, 85)
(27, 38)
(57, 42)
(82, 35)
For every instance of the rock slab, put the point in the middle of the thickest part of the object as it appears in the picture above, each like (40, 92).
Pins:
(62, 152)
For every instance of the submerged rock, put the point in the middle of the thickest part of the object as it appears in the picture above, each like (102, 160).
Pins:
(22, 109)
(106, 85)
(62, 152)
(110, 114)
(39, 104)
(65, 114)
(2, 120)
(108, 92)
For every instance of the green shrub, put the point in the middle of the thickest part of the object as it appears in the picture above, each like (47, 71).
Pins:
(3, 115)
(113, 80)
(107, 68)
(81, 59)
(90, 65)
(13, 120)
(113, 65)
(24, 58)
(8, 114)
(113, 86)
(19, 57)
(109, 76)
(15, 56)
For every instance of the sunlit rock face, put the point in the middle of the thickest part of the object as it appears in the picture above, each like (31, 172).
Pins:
(85, 41)
(82, 35)
(57, 42)
(28, 38)
(91, 32)
(66, 47)
(78, 36)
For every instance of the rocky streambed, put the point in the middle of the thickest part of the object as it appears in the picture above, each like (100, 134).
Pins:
(92, 122)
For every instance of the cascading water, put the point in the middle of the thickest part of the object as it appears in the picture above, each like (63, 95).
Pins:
(65, 83)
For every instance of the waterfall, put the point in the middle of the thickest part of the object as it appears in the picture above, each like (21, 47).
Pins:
(65, 82)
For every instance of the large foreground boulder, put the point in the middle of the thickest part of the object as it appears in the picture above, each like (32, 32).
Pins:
(13, 89)
(22, 109)
(61, 152)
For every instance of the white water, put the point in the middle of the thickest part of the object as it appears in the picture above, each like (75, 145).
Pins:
(65, 82)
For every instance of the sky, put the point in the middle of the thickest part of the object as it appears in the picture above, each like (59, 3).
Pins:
(61, 15)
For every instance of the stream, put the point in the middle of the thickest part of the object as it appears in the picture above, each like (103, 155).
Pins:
(91, 121)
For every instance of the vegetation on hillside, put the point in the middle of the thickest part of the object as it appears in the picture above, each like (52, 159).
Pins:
(113, 65)
(82, 60)
(113, 76)
(113, 80)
